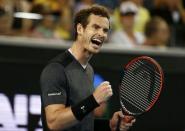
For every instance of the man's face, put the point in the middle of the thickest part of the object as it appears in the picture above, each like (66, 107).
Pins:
(95, 33)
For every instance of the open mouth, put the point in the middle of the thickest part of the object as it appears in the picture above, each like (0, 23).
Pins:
(97, 41)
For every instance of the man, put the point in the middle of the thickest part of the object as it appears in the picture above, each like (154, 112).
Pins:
(157, 32)
(68, 99)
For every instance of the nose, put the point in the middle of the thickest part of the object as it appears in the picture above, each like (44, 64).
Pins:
(101, 33)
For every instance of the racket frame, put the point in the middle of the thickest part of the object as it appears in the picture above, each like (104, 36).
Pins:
(159, 69)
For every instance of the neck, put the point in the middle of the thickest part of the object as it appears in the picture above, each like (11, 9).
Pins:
(81, 54)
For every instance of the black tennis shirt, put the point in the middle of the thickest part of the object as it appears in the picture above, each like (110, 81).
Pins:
(65, 81)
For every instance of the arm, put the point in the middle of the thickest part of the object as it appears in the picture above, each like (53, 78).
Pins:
(99, 111)
(59, 117)
(54, 96)
(102, 93)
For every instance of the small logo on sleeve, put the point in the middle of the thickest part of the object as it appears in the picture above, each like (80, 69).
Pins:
(54, 94)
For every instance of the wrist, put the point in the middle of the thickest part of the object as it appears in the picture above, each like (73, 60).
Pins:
(84, 107)
(96, 99)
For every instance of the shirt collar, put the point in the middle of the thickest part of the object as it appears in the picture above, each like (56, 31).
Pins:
(84, 66)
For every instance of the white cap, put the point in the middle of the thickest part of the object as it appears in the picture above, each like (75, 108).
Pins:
(128, 7)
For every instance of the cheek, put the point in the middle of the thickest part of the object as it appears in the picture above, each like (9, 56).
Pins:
(86, 36)
(106, 36)
(88, 33)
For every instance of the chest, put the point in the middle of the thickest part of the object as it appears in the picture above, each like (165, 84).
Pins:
(80, 85)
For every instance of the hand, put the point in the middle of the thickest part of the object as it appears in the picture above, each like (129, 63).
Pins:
(103, 92)
(125, 121)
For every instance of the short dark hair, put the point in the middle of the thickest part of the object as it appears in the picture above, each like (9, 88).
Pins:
(83, 15)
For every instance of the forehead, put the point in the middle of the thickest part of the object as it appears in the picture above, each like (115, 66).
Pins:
(99, 20)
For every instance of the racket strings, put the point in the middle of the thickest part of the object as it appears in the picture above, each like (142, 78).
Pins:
(154, 73)
(137, 93)
(140, 80)
(129, 76)
(156, 78)
(135, 99)
(138, 106)
(138, 100)
(141, 91)
(147, 67)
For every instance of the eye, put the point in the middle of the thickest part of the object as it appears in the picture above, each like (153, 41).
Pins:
(105, 30)
(96, 26)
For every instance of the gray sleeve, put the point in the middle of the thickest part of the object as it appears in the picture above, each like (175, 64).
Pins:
(53, 85)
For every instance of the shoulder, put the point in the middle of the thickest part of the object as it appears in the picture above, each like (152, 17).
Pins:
(63, 59)
(52, 71)
(53, 67)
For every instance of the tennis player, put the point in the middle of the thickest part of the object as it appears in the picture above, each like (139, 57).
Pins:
(68, 98)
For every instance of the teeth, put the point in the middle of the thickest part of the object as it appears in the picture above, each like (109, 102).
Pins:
(97, 40)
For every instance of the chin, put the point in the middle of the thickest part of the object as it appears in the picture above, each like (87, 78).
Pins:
(94, 51)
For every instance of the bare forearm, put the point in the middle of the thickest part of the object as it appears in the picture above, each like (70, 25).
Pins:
(99, 111)
(61, 119)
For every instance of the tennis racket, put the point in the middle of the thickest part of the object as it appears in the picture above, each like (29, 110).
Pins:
(140, 86)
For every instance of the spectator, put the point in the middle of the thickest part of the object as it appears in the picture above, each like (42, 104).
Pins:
(142, 16)
(126, 37)
(170, 10)
(45, 28)
(6, 10)
(157, 33)
(64, 25)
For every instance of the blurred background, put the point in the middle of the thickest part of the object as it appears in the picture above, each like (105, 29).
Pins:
(34, 31)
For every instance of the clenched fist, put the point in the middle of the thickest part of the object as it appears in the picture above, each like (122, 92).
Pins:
(103, 92)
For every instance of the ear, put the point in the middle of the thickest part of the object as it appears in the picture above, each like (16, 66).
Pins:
(80, 29)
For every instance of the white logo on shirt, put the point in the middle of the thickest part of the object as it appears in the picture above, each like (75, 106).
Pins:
(54, 94)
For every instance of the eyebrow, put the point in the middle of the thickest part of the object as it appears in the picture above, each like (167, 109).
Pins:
(105, 29)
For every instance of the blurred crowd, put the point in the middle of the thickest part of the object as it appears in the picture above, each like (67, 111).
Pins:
(134, 23)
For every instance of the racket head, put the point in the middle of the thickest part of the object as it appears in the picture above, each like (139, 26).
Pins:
(140, 85)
